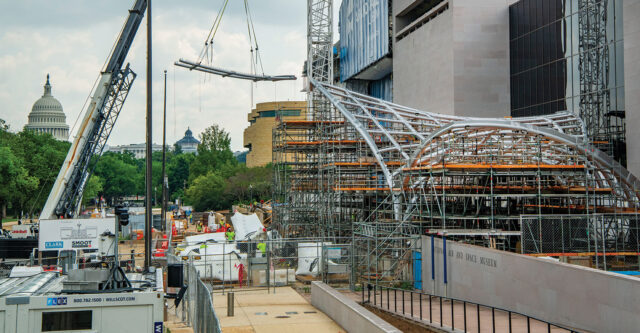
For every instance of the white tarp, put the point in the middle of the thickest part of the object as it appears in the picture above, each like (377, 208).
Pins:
(73, 234)
(310, 258)
(218, 261)
(218, 237)
(246, 226)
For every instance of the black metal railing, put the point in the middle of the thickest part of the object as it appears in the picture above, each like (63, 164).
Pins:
(397, 295)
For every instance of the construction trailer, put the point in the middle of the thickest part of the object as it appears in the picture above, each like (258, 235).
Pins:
(40, 303)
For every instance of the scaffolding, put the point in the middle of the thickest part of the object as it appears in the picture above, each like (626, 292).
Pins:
(605, 125)
(383, 174)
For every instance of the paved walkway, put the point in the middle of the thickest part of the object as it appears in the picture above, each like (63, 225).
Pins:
(440, 315)
(281, 311)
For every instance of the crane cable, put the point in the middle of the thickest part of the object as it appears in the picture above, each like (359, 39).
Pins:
(252, 37)
(207, 50)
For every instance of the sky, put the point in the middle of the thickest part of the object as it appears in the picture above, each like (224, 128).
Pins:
(71, 40)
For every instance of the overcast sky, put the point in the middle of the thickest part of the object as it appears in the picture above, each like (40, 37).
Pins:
(71, 39)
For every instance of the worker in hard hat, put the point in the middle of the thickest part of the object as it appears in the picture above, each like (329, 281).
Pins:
(262, 247)
(230, 234)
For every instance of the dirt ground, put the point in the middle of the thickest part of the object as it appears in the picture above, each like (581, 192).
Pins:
(399, 323)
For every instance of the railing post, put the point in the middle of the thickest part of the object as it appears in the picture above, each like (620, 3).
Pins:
(388, 302)
(549, 327)
(528, 324)
(411, 304)
(440, 297)
(403, 301)
(453, 326)
(510, 328)
(478, 315)
(362, 293)
(430, 310)
(374, 295)
(420, 295)
(395, 300)
(493, 319)
(464, 309)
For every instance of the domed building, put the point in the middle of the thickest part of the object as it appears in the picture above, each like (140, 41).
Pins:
(47, 116)
(188, 144)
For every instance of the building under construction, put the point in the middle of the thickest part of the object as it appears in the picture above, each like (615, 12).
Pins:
(379, 173)
(376, 174)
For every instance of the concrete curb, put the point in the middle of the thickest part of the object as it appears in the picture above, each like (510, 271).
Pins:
(347, 313)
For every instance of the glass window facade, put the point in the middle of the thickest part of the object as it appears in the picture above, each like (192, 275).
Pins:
(281, 113)
(568, 55)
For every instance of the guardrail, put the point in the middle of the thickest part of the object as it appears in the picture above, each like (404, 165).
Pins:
(197, 303)
(408, 308)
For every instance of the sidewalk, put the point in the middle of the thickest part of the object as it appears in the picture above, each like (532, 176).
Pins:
(281, 311)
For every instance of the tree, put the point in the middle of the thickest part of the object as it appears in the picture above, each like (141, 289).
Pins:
(250, 184)
(15, 181)
(120, 173)
(207, 192)
(92, 189)
(42, 156)
(178, 172)
(214, 153)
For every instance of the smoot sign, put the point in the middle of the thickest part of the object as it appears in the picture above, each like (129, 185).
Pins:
(73, 234)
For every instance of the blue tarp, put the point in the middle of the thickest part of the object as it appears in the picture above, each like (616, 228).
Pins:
(364, 35)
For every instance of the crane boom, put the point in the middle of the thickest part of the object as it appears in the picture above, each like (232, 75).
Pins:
(99, 117)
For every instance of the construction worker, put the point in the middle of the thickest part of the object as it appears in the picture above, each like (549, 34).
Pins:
(262, 247)
(230, 234)
(199, 227)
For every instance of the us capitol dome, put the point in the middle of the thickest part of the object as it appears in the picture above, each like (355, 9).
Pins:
(47, 116)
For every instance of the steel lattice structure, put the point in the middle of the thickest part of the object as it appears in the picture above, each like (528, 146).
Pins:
(387, 173)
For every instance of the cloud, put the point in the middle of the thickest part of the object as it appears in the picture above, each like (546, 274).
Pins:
(72, 39)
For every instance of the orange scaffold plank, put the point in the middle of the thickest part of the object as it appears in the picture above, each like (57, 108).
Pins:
(352, 189)
(599, 209)
(497, 166)
(576, 189)
(311, 122)
(359, 164)
(310, 143)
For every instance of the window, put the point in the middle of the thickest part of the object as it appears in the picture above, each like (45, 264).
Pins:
(66, 321)
(281, 113)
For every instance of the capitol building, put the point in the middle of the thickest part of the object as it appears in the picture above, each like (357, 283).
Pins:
(47, 116)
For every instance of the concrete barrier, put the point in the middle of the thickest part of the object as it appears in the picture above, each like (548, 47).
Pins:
(560, 293)
(347, 313)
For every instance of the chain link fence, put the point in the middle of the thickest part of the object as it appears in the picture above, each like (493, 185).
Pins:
(595, 234)
(270, 263)
(197, 305)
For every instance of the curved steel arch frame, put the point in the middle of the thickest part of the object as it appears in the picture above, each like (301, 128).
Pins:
(363, 111)
(390, 171)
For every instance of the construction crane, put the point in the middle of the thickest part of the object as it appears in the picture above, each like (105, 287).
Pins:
(100, 115)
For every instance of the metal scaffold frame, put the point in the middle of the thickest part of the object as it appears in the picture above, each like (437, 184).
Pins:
(386, 173)
(383, 174)
(605, 127)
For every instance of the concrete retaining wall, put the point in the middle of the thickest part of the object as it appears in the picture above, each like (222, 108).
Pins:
(347, 313)
(560, 293)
